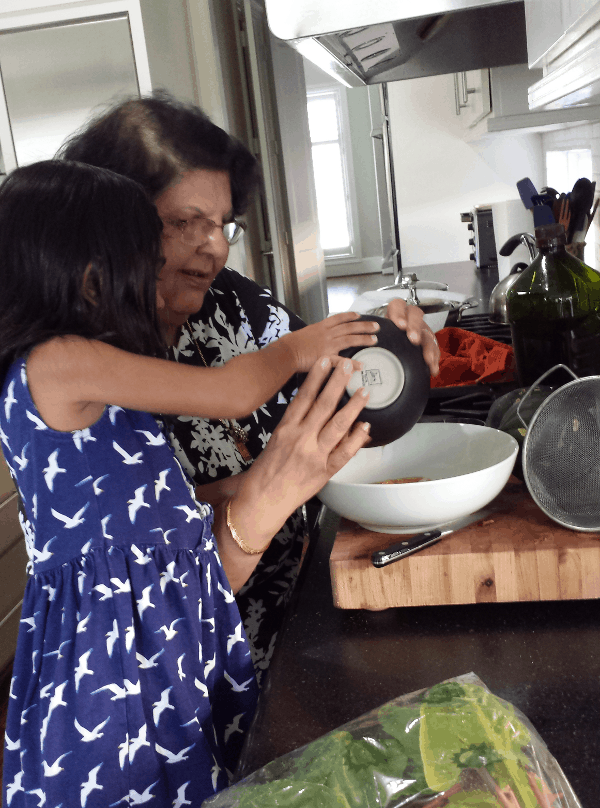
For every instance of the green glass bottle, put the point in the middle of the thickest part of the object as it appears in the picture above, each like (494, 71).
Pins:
(554, 311)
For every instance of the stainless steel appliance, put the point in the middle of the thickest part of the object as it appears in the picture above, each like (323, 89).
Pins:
(480, 223)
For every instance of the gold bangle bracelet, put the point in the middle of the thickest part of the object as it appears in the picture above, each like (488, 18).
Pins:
(237, 538)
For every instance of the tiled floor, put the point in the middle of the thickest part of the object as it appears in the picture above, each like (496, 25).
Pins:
(342, 291)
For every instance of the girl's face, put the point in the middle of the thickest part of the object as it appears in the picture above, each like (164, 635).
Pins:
(190, 269)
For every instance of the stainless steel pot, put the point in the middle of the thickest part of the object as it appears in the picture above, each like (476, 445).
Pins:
(497, 307)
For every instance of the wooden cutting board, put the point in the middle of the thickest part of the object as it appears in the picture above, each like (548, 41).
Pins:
(515, 554)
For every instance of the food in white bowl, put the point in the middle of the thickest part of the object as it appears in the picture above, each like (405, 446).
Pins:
(464, 465)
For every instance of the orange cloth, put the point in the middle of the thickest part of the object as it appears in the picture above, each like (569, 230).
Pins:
(468, 358)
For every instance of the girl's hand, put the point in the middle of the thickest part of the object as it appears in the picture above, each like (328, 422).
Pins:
(410, 319)
(311, 443)
(329, 337)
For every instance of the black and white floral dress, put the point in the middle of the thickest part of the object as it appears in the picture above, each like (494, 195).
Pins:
(238, 317)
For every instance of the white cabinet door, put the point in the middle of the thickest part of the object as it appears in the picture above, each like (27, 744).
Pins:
(573, 10)
(544, 22)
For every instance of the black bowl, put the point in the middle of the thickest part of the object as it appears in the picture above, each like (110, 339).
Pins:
(397, 378)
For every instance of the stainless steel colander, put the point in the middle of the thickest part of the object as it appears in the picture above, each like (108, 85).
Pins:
(561, 452)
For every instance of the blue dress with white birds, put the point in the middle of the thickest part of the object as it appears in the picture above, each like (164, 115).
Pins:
(132, 681)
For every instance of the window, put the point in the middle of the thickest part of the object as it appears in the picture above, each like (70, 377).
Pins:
(330, 165)
(564, 168)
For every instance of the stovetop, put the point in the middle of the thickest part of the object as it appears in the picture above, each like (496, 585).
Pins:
(471, 403)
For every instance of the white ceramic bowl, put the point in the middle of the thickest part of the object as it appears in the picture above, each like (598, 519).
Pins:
(372, 300)
(464, 465)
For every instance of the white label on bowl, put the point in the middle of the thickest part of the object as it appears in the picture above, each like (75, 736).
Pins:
(382, 376)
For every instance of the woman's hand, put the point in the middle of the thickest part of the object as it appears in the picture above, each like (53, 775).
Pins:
(329, 337)
(311, 443)
(410, 319)
(220, 490)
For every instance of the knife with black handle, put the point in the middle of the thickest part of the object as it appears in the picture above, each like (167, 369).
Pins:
(405, 547)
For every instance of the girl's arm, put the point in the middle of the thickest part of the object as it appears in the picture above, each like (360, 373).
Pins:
(310, 444)
(71, 378)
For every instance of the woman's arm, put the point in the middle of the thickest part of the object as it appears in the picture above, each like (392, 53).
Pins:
(310, 444)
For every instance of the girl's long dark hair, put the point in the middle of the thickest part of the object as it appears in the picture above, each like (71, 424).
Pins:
(79, 254)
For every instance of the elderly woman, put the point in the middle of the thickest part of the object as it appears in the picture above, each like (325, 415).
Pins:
(201, 181)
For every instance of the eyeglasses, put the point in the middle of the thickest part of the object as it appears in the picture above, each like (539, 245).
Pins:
(199, 228)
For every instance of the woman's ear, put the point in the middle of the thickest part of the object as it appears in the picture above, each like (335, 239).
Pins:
(91, 284)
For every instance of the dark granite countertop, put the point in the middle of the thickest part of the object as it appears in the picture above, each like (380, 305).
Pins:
(333, 665)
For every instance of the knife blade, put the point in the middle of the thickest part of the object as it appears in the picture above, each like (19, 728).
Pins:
(406, 547)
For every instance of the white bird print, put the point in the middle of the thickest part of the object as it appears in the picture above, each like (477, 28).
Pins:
(124, 751)
(135, 744)
(82, 624)
(82, 668)
(112, 413)
(210, 665)
(179, 668)
(81, 436)
(227, 594)
(210, 620)
(85, 480)
(208, 579)
(58, 650)
(30, 622)
(122, 586)
(136, 503)
(144, 602)
(24, 713)
(4, 438)
(39, 424)
(45, 691)
(56, 700)
(11, 695)
(153, 440)
(129, 637)
(15, 786)
(145, 664)
(104, 590)
(111, 637)
(89, 735)
(86, 547)
(130, 689)
(33, 658)
(171, 757)
(162, 705)
(80, 579)
(161, 483)
(71, 521)
(165, 533)
(104, 522)
(96, 485)
(202, 687)
(9, 400)
(34, 505)
(129, 460)
(56, 768)
(233, 727)
(170, 632)
(21, 460)
(181, 581)
(167, 576)
(38, 793)
(191, 513)
(12, 746)
(52, 469)
(39, 556)
(234, 685)
(180, 800)
(236, 637)
(140, 558)
(134, 798)
(91, 784)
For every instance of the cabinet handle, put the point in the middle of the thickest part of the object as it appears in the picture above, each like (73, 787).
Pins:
(461, 91)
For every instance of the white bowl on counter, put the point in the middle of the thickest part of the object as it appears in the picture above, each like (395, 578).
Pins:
(368, 301)
(463, 466)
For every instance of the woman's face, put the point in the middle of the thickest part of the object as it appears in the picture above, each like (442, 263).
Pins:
(190, 269)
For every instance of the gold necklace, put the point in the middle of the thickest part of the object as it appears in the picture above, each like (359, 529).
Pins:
(235, 432)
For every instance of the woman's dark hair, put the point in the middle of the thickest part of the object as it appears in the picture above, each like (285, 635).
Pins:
(154, 140)
(79, 254)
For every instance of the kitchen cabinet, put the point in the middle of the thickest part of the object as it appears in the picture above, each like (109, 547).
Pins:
(472, 96)
(563, 39)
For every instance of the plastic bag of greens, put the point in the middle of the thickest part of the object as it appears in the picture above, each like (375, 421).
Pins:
(454, 744)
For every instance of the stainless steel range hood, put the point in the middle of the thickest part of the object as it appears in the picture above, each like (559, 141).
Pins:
(370, 43)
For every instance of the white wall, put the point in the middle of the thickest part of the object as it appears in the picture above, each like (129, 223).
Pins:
(439, 175)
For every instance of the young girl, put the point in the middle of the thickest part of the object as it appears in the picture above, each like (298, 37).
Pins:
(132, 679)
